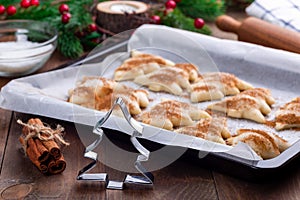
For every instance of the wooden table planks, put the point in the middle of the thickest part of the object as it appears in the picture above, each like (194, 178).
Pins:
(5, 117)
(281, 188)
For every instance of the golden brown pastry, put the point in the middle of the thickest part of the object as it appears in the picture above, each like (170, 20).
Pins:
(251, 104)
(263, 95)
(99, 93)
(170, 113)
(88, 88)
(167, 79)
(216, 85)
(160, 60)
(135, 99)
(139, 64)
(288, 116)
(190, 69)
(212, 129)
(265, 144)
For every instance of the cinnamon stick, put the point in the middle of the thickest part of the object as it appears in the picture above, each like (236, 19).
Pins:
(42, 149)
(34, 154)
(51, 145)
(53, 148)
(57, 166)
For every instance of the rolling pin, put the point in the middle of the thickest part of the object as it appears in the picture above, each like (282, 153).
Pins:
(257, 31)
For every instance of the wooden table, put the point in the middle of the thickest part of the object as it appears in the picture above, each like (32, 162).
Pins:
(183, 179)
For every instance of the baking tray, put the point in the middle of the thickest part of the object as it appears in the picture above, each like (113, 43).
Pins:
(255, 171)
(257, 71)
(262, 170)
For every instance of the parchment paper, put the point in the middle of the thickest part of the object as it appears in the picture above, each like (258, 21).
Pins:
(46, 94)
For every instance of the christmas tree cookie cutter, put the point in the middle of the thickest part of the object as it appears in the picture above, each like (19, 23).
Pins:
(146, 179)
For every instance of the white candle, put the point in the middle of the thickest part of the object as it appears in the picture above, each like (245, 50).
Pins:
(123, 8)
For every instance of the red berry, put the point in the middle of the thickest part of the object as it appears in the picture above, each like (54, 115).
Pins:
(63, 8)
(199, 23)
(177, 1)
(2, 9)
(170, 4)
(34, 2)
(11, 10)
(92, 27)
(95, 40)
(65, 18)
(156, 19)
(25, 3)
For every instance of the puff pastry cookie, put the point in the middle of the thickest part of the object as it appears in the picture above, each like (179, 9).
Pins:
(190, 69)
(99, 93)
(216, 85)
(167, 79)
(212, 129)
(163, 61)
(288, 116)
(170, 113)
(251, 104)
(265, 144)
(263, 95)
(139, 64)
(85, 92)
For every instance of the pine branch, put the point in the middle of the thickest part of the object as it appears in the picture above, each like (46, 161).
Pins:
(9, 2)
(72, 46)
(69, 44)
(178, 20)
(208, 10)
(45, 12)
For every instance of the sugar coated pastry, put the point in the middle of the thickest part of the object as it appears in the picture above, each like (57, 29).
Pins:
(170, 113)
(265, 144)
(251, 104)
(167, 79)
(139, 64)
(212, 129)
(216, 85)
(99, 93)
(190, 69)
(288, 116)
(162, 62)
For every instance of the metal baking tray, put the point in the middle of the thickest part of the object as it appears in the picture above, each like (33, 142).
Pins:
(253, 71)
(223, 162)
(249, 169)
(255, 171)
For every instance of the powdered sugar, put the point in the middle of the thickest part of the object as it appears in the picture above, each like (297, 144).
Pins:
(22, 56)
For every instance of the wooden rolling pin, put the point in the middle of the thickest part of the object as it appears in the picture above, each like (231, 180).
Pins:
(257, 31)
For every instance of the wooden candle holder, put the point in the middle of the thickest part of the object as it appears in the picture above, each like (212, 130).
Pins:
(119, 16)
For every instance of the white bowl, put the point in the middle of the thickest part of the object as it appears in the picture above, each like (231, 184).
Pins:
(25, 46)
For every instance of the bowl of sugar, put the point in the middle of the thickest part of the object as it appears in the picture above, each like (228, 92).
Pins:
(25, 46)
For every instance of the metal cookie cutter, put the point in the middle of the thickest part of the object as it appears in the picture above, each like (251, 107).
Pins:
(146, 179)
